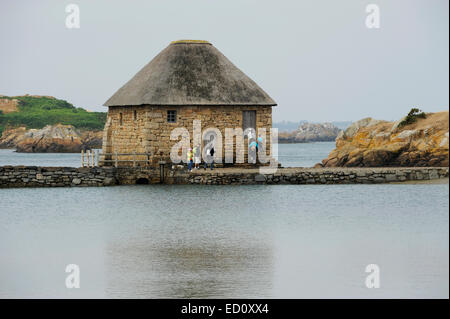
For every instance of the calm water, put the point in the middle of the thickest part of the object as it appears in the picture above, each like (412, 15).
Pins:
(10, 157)
(226, 241)
(309, 241)
(305, 155)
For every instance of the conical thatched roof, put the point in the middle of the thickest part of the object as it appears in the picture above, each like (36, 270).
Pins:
(190, 72)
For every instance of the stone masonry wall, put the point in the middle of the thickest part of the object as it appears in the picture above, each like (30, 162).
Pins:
(314, 176)
(144, 129)
(32, 176)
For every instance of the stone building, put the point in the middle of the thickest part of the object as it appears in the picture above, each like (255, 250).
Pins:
(189, 80)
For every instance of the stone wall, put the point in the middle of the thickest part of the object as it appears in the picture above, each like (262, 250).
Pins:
(32, 176)
(131, 176)
(315, 176)
(144, 129)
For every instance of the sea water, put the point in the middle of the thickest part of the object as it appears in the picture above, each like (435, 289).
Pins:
(290, 155)
(205, 241)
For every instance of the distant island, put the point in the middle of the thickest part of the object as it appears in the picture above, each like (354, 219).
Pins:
(310, 132)
(33, 123)
(290, 126)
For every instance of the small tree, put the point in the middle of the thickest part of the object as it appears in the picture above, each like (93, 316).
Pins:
(412, 117)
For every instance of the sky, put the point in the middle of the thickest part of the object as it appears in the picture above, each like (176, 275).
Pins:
(316, 58)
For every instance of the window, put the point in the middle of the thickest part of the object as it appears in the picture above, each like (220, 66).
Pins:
(120, 119)
(248, 120)
(171, 116)
(134, 115)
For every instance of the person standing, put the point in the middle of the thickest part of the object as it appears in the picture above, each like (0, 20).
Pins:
(209, 158)
(189, 159)
(197, 156)
(260, 143)
(252, 149)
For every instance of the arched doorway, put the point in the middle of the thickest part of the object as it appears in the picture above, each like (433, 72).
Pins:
(142, 181)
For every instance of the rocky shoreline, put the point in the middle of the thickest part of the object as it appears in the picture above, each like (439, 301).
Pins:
(50, 139)
(33, 124)
(375, 143)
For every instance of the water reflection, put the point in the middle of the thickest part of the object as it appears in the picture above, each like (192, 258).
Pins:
(199, 268)
(311, 241)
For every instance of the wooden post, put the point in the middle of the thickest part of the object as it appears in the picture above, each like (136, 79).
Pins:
(117, 160)
(98, 157)
(88, 158)
(93, 158)
(161, 171)
(82, 158)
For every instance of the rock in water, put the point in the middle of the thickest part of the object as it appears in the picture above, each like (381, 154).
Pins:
(50, 139)
(92, 139)
(11, 137)
(309, 132)
(373, 143)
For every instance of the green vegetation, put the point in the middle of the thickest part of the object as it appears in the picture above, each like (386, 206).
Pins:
(412, 117)
(37, 112)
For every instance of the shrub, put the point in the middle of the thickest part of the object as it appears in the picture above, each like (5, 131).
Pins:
(412, 117)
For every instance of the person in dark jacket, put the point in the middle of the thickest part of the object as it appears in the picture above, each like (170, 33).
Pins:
(209, 158)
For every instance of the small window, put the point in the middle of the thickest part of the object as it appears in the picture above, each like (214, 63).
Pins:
(120, 119)
(248, 120)
(171, 116)
(134, 115)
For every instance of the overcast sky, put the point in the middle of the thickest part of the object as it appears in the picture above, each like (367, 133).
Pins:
(316, 58)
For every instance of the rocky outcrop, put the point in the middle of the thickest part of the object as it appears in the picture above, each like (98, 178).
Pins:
(92, 139)
(375, 143)
(50, 139)
(8, 105)
(309, 132)
(11, 137)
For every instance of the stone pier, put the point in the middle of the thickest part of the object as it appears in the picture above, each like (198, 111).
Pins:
(316, 176)
(33, 176)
